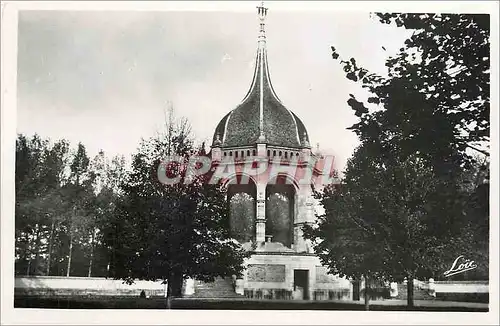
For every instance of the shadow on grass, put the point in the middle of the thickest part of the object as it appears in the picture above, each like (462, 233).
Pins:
(220, 304)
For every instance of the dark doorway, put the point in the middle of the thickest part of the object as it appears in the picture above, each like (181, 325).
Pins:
(301, 282)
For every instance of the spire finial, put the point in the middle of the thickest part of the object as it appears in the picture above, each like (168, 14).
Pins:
(305, 142)
(217, 141)
(262, 12)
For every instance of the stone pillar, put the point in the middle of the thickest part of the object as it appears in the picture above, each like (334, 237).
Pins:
(432, 288)
(260, 223)
(261, 150)
(216, 154)
(216, 149)
(394, 289)
(304, 215)
(309, 219)
(189, 289)
(309, 216)
(240, 289)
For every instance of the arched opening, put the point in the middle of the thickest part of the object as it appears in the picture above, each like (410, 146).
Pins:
(280, 212)
(242, 213)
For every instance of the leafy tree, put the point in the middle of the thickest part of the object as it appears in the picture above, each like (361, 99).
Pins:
(61, 207)
(405, 187)
(54, 176)
(39, 177)
(28, 159)
(435, 98)
(390, 221)
(170, 232)
(108, 176)
(79, 200)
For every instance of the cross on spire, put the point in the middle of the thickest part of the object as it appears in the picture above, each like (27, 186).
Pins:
(262, 13)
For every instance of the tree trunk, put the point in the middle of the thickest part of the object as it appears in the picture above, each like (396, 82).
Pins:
(29, 267)
(410, 301)
(356, 287)
(37, 249)
(51, 241)
(91, 251)
(174, 285)
(367, 294)
(27, 253)
(70, 252)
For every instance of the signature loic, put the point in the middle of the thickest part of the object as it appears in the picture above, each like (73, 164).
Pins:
(460, 265)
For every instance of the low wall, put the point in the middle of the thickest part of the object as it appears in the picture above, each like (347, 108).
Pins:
(461, 286)
(60, 285)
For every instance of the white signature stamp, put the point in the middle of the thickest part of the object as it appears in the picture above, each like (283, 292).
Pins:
(460, 265)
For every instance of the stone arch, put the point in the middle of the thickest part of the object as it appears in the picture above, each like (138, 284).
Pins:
(281, 196)
(239, 178)
(241, 201)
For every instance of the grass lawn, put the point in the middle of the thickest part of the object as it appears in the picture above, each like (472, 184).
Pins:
(109, 302)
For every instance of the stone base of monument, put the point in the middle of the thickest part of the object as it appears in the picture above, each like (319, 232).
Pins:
(288, 275)
(220, 288)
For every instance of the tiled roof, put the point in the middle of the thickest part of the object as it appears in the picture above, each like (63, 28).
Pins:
(280, 126)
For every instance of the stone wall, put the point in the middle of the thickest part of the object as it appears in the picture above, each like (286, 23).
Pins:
(461, 286)
(59, 285)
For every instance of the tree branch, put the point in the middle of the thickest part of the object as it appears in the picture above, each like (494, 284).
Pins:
(479, 150)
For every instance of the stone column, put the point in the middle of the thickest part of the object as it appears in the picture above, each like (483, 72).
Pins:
(304, 215)
(432, 288)
(260, 223)
(309, 218)
(261, 150)
(394, 289)
(240, 286)
(189, 288)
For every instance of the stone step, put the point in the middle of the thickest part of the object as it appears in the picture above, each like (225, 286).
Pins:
(220, 288)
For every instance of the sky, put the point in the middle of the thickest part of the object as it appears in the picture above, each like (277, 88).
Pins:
(104, 78)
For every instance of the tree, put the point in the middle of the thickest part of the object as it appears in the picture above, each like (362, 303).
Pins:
(404, 187)
(170, 232)
(28, 160)
(342, 238)
(54, 176)
(61, 207)
(108, 176)
(79, 200)
(39, 177)
(435, 98)
(390, 221)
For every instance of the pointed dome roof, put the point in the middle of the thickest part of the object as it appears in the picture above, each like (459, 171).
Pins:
(261, 117)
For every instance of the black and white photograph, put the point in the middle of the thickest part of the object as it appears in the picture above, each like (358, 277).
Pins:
(251, 162)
